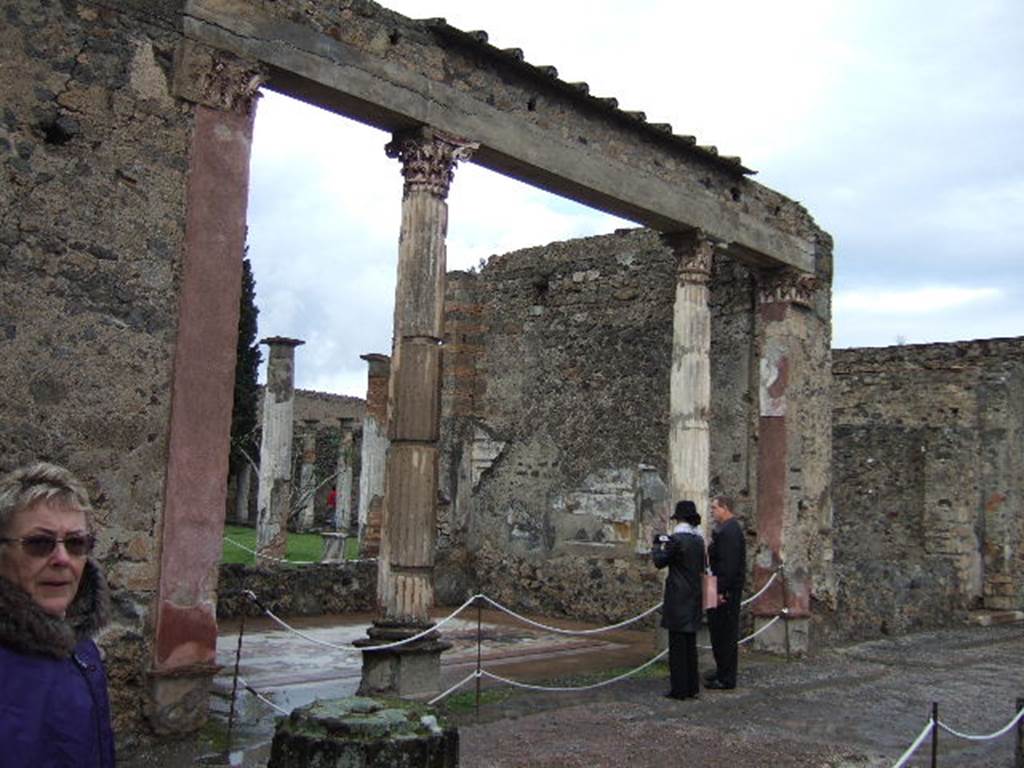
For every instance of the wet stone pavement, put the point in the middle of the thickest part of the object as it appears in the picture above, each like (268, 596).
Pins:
(857, 706)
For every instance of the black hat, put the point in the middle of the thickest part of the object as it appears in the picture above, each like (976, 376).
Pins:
(686, 511)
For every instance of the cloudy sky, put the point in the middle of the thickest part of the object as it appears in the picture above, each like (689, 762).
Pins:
(899, 125)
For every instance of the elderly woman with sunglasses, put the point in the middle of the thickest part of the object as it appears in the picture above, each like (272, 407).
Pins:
(54, 709)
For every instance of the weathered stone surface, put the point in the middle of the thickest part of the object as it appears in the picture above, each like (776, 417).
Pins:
(583, 419)
(361, 732)
(298, 590)
(928, 484)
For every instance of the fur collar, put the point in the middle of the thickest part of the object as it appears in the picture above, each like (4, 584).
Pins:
(27, 628)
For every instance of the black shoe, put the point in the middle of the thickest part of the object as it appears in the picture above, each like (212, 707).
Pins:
(710, 675)
(670, 695)
(718, 685)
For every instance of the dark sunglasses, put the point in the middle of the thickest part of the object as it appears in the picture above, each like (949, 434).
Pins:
(41, 545)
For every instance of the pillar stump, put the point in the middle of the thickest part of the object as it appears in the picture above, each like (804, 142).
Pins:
(363, 732)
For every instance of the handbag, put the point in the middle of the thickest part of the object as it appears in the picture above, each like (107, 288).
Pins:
(709, 584)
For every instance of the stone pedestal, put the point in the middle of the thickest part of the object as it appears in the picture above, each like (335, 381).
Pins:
(408, 671)
(364, 733)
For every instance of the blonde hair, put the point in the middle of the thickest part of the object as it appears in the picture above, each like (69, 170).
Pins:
(41, 481)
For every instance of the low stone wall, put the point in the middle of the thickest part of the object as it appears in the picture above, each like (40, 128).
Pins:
(298, 590)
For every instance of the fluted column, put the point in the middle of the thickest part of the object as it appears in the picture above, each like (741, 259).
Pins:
(275, 491)
(690, 377)
(307, 477)
(406, 563)
(410, 493)
(343, 477)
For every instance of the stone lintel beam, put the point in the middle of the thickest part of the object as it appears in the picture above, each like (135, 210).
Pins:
(381, 92)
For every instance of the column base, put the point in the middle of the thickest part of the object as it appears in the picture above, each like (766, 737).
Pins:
(179, 699)
(411, 671)
(774, 640)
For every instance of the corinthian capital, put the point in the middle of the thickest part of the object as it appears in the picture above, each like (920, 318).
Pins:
(786, 286)
(428, 158)
(694, 251)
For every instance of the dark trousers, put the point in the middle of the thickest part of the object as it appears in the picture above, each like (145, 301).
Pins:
(682, 664)
(724, 627)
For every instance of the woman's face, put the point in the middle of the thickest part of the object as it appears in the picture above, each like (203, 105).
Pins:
(52, 580)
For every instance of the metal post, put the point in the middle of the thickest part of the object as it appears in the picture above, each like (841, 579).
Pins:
(1020, 734)
(234, 680)
(478, 655)
(785, 608)
(935, 733)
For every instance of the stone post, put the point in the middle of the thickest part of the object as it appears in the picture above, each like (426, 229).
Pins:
(375, 448)
(343, 476)
(785, 492)
(273, 503)
(689, 447)
(409, 529)
(307, 476)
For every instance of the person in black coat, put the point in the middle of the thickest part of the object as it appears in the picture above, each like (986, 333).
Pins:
(683, 553)
(728, 555)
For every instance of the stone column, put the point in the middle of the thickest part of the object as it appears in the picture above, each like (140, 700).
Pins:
(242, 493)
(273, 503)
(307, 476)
(343, 476)
(689, 447)
(375, 448)
(406, 563)
(216, 97)
(785, 492)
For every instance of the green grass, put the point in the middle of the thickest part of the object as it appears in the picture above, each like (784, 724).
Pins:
(302, 547)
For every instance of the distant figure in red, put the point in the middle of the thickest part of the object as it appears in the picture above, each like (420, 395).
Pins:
(332, 505)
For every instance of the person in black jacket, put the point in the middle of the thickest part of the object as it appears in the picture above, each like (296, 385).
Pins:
(728, 556)
(683, 553)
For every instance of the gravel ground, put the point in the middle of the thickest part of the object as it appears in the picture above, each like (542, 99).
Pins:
(858, 706)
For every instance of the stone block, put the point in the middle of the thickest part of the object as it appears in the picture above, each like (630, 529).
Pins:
(364, 732)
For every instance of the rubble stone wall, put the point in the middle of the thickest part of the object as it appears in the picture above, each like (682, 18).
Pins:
(556, 421)
(929, 518)
(89, 298)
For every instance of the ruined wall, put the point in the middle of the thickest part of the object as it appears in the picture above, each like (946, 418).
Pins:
(298, 590)
(929, 518)
(556, 421)
(88, 300)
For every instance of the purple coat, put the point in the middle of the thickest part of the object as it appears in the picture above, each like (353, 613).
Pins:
(54, 709)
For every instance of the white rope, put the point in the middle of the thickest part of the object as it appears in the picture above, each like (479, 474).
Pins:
(352, 648)
(471, 676)
(261, 697)
(987, 737)
(253, 552)
(556, 689)
(749, 637)
(925, 732)
(559, 630)
(761, 591)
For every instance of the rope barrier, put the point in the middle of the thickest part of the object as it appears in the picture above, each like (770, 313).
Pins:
(749, 637)
(351, 648)
(563, 689)
(761, 591)
(987, 737)
(261, 697)
(561, 631)
(471, 676)
(254, 553)
(924, 734)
